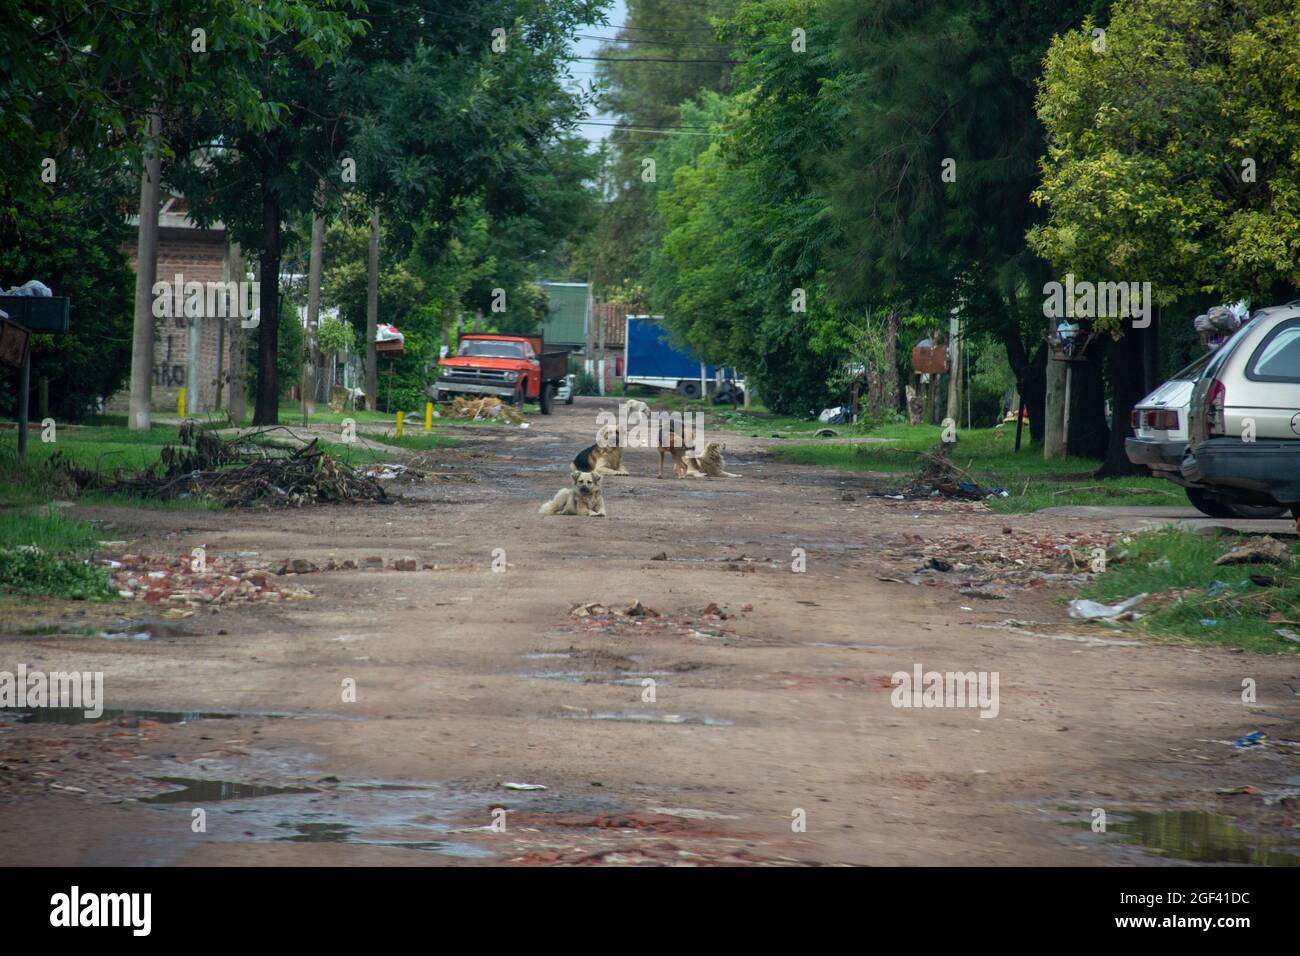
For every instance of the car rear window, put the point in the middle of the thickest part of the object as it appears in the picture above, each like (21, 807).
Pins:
(1277, 359)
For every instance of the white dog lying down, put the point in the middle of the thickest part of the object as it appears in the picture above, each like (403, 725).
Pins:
(584, 498)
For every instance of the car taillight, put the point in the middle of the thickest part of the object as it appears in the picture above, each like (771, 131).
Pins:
(1167, 421)
(1215, 401)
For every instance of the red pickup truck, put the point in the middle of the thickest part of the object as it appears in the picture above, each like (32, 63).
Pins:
(513, 367)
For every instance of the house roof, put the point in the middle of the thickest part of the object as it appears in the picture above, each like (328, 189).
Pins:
(614, 315)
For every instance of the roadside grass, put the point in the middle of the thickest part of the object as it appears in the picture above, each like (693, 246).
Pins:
(38, 555)
(1192, 598)
(104, 448)
(988, 454)
(418, 441)
(49, 529)
(291, 414)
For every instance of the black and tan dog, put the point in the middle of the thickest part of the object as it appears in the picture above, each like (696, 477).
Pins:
(606, 456)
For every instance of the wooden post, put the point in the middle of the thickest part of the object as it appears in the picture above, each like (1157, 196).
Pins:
(237, 404)
(1054, 410)
(24, 386)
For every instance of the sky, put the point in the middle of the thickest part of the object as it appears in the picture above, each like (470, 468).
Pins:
(584, 70)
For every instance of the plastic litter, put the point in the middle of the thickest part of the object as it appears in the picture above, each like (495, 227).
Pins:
(1083, 610)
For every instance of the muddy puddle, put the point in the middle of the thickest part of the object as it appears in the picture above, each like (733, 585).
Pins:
(374, 813)
(77, 715)
(1202, 837)
(1195, 836)
(647, 718)
(131, 717)
(621, 679)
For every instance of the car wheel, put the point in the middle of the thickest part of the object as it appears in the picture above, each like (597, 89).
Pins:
(1208, 504)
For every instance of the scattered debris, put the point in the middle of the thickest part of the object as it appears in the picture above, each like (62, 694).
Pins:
(523, 786)
(1263, 550)
(489, 407)
(1287, 634)
(176, 584)
(1253, 739)
(938, 477)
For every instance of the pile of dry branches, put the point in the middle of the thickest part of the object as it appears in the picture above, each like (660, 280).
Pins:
(241, 471)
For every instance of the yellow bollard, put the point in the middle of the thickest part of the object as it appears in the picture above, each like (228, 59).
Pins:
(428, 416)
(400, 416)
(180, 402)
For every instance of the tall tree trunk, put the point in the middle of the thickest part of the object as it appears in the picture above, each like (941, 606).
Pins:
(1126, 390)
(312, 356)
(1089, 433)
(372, 314)
(1031, 381)
(140, 417)
(267, 409)
(889, 374)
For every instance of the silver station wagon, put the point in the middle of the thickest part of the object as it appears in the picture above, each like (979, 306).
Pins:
(1244, 428)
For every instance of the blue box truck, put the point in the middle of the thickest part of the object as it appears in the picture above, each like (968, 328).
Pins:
(651, 360)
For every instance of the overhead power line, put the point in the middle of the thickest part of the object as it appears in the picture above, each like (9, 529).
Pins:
(650, 59)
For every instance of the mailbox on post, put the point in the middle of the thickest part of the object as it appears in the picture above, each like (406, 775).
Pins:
(28, 315)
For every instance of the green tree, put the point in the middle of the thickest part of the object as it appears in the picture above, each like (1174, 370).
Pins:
(1172, 160)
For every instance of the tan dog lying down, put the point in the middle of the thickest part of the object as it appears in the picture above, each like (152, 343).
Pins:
(584, 498)
(710, 464)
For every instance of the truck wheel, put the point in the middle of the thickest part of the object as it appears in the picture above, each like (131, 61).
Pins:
(1207, 504)
(548, 395)
(689, 389)
(517, 400)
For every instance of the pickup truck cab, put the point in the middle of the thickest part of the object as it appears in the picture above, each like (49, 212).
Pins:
(512, 367)
(1244, 437)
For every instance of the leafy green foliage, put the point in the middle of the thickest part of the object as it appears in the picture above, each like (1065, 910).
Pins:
(29, 570)
(1172, 152)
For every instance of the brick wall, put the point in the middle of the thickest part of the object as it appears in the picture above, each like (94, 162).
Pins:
(197, 255)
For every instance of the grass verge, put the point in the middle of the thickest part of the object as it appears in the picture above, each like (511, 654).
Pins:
(988, 454)
(38, 555)
(1191, 597)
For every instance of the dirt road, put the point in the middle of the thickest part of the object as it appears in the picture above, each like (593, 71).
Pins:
(767, 735)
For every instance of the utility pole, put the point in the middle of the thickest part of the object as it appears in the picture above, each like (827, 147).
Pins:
(312, 358)
(954, 365)
(140, 417)
(372, 314)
